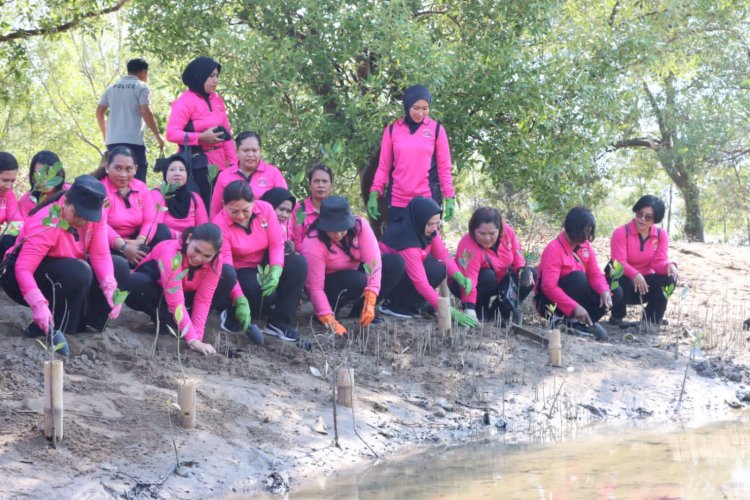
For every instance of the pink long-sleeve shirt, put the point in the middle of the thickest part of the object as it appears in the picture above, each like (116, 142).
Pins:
(265, 177)
(196, 215)
(414, 259)
(558, 260)
(203, 282)
(410, 157)
(138, 215)
(299, 231)
(40, 241)
(247, 247)
(649, 256)
(9, 210)
(476, 257)
(191, 106)
(27, 203)
(322, 262)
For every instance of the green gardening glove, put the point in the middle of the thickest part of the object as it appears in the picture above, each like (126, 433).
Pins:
(463, 319)
(463, 281)
(450, 209)
(372, 205)
(242, 312)
(271, 281)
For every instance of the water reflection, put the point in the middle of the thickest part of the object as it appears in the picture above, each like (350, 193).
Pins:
(709, 462)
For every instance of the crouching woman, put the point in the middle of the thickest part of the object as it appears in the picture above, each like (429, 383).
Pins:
(185, 274)
(61, 265)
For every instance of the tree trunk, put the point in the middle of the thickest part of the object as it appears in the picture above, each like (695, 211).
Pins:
(693, 217)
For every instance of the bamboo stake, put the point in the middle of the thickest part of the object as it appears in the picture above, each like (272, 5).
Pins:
(53, 400)
(555, 348)
(444, 310)
(187, 403)
(344, 386)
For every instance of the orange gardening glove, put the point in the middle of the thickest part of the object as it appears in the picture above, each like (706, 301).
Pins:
(330, 321)
(368, 308)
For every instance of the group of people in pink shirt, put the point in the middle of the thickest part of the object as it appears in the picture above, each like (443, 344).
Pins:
(246, 247)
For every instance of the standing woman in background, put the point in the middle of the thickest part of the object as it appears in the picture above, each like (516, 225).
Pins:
(42, 183)
(9, 212)
(320, 181)
(200, 116)
(415, 159)
(182, 208)
(260, 175)
(131, 215)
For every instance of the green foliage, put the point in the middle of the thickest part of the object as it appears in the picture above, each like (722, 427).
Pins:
(615, 275)
(668, 290)
(54, 219)
(47, 178)
(119, 296)
(465, 258)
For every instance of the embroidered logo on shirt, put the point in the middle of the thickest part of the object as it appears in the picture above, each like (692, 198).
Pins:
(262, 182)
(427, 133)
(585, 253)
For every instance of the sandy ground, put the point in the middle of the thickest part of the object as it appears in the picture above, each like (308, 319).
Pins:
(261, 411)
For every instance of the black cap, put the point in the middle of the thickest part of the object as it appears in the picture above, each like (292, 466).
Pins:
(335, 215)
(87, 195)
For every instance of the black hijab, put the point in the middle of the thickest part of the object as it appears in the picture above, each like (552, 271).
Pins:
(278, 195)
(178, 202)
(409, 231)
(197, 72)
(412, 95)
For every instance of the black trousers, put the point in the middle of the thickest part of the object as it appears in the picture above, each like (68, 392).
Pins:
(139, 150)
(77, 300)
(576, 286)
(146, 293)
(656, 302)
(282, 304)
(6, 242)
(203, 185)
(406, 297)
(487, 286)
(345, 287)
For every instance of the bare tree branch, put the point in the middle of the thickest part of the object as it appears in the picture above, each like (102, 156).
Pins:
(15, 35)
(636, 142)
(612, 16)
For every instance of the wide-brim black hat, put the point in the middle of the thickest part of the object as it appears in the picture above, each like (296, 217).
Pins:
(87, 195)
(335, 215)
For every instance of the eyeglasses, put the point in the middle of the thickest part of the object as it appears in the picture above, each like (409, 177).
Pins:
(646, 217)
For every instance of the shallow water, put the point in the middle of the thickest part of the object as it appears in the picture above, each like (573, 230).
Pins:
(703, 463)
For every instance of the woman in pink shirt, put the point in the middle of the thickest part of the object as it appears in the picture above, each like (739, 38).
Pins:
(642, 249)
(250, 167)
(491, 257)
(337, 249)
(183, 208)
(320, 179)
(199, 116)
(131, 213)
(570, 277)
(188, 274)
(253, 237)
(416, 239)
(10, 216)
(415, 159)
(43, 184)
(50, 268)
(283, 203)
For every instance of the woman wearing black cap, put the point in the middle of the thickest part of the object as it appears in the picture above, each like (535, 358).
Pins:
(179, 207)
(200, 115)
(415, 159)
(344, 264)
(417, 240)
(62, 261)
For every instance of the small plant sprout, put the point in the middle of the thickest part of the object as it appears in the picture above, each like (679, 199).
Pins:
(178, 315)
(55, 219)
(668, 290)
(530, 256)
(171, 405)
(118, 298)
(46, 179)
(550, 314)
(616, 274)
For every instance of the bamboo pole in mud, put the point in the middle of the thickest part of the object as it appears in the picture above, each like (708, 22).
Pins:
(344, 386)
(555, 348)
(186, 401)
(444, 309)
(53, 400)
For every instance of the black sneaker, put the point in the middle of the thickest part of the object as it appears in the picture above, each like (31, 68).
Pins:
(282, 331)
(387, 309)
(228, 323)
(254, 334)
(33, 331)
(596, 330)
(614, 321)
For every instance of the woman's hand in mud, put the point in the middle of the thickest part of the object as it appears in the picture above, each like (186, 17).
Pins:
(203, 348)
